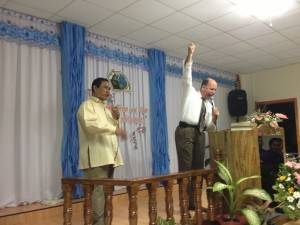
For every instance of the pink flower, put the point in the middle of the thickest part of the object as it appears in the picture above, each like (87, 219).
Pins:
(297, 176)
(274, 124)
(290, 164)
(293, 165)
(297, 166)
(281, 116)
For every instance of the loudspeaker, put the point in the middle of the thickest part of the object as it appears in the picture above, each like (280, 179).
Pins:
(237, 102)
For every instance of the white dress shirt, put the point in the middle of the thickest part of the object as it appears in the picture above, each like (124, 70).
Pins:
(192, 101)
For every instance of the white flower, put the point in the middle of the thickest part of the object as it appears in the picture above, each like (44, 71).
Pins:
(288, 178)
(291, 207)
(281, 186)
(296, 194)
(290, 198)
(298, 204)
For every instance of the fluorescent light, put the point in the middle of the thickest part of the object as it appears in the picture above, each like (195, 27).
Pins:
(263, 9)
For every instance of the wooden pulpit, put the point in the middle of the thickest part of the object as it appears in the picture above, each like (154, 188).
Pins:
(239, 151)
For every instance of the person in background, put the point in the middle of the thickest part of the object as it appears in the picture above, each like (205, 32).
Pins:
(198, 115)
(270, 160)
(99, 151)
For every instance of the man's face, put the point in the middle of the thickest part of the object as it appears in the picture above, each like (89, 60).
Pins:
(103, 91)
(210, 89)
(277, 146)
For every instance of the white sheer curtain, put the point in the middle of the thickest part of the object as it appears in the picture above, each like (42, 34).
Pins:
(136, 151)
(30, 123)
(174, 97)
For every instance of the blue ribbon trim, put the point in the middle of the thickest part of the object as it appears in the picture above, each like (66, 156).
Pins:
(28, 35)
(176, 71)
(117, 55)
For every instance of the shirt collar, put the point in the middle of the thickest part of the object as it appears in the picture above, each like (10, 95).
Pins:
(95, 99)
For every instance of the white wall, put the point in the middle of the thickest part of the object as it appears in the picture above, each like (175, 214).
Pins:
(275, 84)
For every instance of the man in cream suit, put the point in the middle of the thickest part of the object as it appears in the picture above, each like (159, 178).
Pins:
(99, 152)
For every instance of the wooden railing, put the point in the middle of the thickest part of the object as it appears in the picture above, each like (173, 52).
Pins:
(152, 183)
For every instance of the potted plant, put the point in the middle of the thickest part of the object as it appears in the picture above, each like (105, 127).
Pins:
(233, 196)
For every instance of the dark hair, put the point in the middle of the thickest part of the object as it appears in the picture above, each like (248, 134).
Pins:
(275, 139)
(98, 81)
(204, 82)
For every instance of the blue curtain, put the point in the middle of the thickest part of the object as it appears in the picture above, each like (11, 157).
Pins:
(158, 117)
(72, 45)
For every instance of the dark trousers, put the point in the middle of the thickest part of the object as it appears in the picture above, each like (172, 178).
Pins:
(190, 146)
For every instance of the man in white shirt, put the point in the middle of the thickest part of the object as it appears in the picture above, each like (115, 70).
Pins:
(198, 115)
(99, 153)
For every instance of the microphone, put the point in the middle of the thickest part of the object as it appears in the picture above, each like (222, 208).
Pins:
(110, 102)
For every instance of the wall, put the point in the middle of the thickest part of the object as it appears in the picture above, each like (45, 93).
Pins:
(275, 84)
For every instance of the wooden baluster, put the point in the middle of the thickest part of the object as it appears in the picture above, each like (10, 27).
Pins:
(210, 198)
(108, 209)
(67, 191)
(168, 186)
(197, 198)
(87, 207)
(183, 200)
(132, 194)
(152, 190)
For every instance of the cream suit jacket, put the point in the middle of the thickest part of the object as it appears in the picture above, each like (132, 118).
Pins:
(97, 139)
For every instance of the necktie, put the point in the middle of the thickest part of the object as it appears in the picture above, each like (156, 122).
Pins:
(202, 116)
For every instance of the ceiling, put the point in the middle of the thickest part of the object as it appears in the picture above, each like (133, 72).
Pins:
(225, 40)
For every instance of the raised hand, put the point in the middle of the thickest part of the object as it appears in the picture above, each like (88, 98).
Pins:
(191, 48)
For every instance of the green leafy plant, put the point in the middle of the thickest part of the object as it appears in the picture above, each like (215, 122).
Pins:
(233, 197)
(161, 221)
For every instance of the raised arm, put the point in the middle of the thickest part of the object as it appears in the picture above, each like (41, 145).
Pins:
(191, 49)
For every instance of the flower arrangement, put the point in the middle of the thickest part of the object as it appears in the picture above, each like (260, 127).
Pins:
(266, 118)
(287, 187)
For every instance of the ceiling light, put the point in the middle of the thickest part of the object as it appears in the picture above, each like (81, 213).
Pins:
(263, 9)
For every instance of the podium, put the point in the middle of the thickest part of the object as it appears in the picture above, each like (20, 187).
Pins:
(239, 151)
